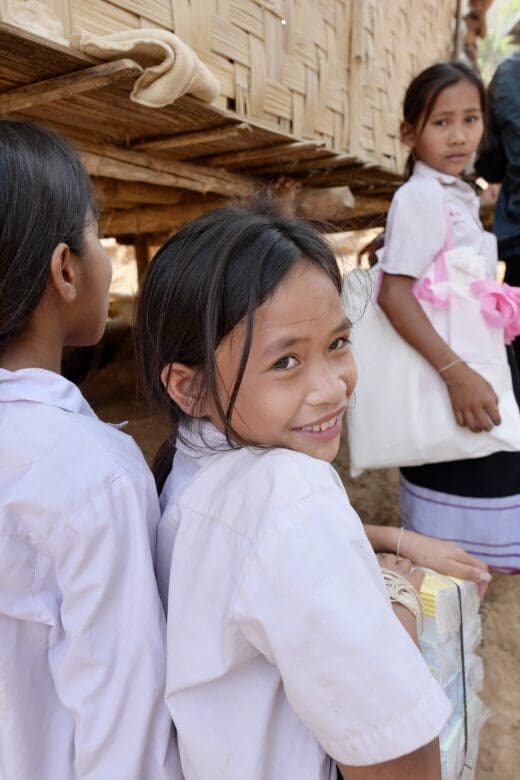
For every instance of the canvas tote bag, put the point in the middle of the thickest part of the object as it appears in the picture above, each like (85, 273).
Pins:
(401, 413)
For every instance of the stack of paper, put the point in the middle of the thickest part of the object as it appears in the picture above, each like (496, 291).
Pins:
(452, 632)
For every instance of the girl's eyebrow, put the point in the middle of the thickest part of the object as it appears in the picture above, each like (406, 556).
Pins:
(286, 343)
(448, 113)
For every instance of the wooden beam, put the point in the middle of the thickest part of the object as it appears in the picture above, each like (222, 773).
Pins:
(329, 205)
(371, 204)
(323, 162)
(139, 166)
(153, 219)
(112, 193)
(268, 154)
(181, 140)
(69, 85)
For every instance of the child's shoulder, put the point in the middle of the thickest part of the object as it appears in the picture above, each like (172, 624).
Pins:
(417, 190)
(68, 453)
(240, 485)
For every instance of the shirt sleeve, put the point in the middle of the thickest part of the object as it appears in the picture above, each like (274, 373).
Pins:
(107, 650)
(416, 228)
(312, 600)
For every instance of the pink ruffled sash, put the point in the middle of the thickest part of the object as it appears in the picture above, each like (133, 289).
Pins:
(499, 305)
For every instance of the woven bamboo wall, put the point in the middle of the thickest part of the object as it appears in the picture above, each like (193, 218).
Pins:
(333, 70)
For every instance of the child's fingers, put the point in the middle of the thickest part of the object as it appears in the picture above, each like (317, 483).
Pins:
(462, 556)
(492, 410)
(466, 571)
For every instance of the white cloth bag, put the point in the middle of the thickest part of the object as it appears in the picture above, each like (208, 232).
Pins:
(401, 414)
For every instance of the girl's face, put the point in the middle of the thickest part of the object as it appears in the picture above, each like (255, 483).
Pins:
(452, 132)
(300, 372)
(94, 270)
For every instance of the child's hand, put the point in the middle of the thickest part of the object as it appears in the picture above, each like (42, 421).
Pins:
(474, 402)
(401, 566)
(446, 558)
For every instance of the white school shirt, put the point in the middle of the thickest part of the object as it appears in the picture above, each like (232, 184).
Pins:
(416, 226)
(81, 624)
(283, 648)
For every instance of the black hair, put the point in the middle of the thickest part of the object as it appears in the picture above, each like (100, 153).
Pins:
(45, 198)
(424, 90)
(211, 275)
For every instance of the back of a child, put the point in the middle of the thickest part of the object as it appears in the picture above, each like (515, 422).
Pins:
(284, 656)
(81, 624)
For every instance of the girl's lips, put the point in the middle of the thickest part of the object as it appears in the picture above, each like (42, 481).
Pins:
(329, 433)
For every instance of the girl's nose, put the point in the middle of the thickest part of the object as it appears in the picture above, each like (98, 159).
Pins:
(328, 388)
(458, 135)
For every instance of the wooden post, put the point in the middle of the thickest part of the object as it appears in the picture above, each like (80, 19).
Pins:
(142, 255)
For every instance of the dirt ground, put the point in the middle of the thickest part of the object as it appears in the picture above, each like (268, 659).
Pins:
(112, 392)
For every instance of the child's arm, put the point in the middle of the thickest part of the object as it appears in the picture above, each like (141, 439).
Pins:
(474, 401)
(423, 763)
(445, 557)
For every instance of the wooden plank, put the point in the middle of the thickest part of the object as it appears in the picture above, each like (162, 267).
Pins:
(113, 193)
(258, 157)
(97, 165)
(171, 172)
(203, 179)
(220, 134)
(328, 204)
(153, 219)
(321, 162)
(66, 86)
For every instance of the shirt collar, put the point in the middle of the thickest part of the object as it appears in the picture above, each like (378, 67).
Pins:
(43, 387)
(200, 439)
(421, 169)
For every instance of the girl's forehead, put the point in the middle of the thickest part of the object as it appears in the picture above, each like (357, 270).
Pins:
(461, 95)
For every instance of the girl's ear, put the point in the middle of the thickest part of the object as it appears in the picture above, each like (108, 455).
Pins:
(407, 134)
(182, 386)
(62, 273)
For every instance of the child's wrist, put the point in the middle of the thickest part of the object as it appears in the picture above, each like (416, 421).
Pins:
(402, 592)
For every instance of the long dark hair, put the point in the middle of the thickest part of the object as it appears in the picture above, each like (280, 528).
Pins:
(45, 196)
(424, 90)
(207, 278)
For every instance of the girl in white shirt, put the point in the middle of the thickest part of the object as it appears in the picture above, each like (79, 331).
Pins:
(81, 623)
(284, 655)
(475, 503)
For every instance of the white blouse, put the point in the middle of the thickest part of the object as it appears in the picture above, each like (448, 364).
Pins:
(81, 624)
(283, 649)
(416, 228)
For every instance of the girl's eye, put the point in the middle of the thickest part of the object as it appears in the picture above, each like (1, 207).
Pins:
(285, 363)
(472, 119)
(340, 343)
(441, 122)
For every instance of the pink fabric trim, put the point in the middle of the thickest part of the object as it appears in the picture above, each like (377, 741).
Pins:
(500, 306)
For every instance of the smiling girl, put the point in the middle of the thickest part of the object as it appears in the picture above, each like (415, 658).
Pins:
(284, 654)
(474, 502)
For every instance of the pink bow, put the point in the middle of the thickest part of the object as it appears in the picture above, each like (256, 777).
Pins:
(500, 306)
(423, 291)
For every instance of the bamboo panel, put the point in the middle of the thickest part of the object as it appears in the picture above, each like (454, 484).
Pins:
(330, 70)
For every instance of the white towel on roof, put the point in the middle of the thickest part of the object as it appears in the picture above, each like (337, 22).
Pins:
(170, 67)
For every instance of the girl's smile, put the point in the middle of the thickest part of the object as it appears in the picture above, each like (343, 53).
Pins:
(323, 430)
